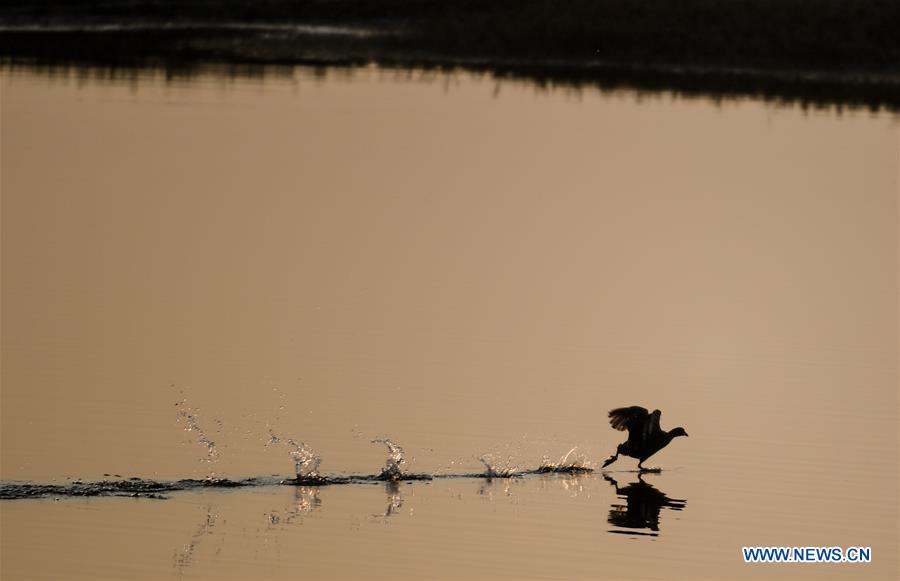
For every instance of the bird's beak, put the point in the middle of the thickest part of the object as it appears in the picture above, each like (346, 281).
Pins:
(685, 433)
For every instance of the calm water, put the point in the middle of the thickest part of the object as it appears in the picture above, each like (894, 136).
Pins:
(467, 268)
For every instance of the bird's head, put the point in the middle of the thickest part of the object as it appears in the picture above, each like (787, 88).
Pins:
(679, 431)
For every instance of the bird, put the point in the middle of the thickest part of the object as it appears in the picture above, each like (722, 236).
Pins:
(645, 437)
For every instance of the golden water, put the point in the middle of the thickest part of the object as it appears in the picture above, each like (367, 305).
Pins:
(466, 267)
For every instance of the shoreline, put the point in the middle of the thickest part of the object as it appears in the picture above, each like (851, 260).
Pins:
(812, 52)
(192, 48)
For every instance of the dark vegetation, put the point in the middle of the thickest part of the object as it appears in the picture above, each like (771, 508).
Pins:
(839, 51)
(135, 487)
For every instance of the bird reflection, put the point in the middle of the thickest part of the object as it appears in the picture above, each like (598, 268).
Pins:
(642, 508)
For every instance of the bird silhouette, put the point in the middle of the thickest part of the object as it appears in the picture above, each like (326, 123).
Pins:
(645, 437)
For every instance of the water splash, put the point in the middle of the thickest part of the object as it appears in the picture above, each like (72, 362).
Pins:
(394, 500)
(491, 488)
(392, 466)
(567, 463)
(191, 419)
(306, 461)
(185, 557)
(573, 484)
(494, 469)
(306, 501)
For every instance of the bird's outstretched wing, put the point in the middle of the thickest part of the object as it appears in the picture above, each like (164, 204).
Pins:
(634, 419)
(651, 428)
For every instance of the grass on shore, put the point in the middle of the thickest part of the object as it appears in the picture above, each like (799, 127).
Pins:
(850, 38)
(807, 34)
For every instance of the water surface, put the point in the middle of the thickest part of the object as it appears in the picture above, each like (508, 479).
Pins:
(466, 267)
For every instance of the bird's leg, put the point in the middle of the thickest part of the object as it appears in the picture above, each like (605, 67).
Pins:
(611, 459)
(641, 468)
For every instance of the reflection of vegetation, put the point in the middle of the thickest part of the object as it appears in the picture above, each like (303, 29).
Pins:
(720, 46)
(642, 508)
